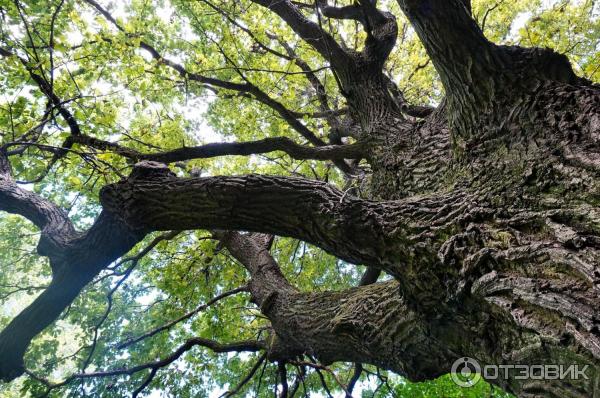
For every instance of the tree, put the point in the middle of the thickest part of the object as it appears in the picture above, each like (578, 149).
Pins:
(461, 173)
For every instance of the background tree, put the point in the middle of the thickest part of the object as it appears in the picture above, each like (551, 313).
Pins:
(440, 144)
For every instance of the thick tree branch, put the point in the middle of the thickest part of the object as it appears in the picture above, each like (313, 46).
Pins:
(333, 326)
(154, 199)
(252, 251)
(354, 12)
(74, 264)
(310, 31)
(472, 69)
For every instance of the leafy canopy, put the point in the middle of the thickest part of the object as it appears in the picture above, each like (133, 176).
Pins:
(118, 92)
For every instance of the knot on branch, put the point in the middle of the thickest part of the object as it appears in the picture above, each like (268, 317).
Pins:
(148, 169)
(120, 200)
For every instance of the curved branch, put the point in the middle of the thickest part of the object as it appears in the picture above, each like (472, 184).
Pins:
(353, 12)
(74, 265)
(182, 318)
(296, 151)
(309, 31)
(154, 199)
(53, 221)
(335, 326)
(215, 346)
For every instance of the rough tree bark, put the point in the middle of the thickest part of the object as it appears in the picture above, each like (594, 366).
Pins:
(485, 212)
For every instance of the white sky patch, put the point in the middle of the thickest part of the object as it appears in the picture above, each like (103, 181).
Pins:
(16, 31)
(519, 22)
(75, 37)
(118, 9)
(165, 13)
(102, 87)
(194, 110)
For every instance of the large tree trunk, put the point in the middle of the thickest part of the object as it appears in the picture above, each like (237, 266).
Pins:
(486, 214)
(504, 245)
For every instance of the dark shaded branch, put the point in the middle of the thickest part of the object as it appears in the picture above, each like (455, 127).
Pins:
(370, 276)
(358, 369)
(323, 382)
(354, 12)
(152, 198)
(283, 379)
(49, 218)
(487, 12)
(318, 367)
(309, 31)
(239, 346)
(296, 151)
(145, 383)
(47, 89)
(75, 263)
(363, 11)
(380, 26)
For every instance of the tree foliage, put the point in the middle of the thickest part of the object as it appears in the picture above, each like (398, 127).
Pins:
(155, 76)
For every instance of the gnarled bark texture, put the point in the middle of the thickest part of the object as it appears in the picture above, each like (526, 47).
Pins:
(485, 212)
